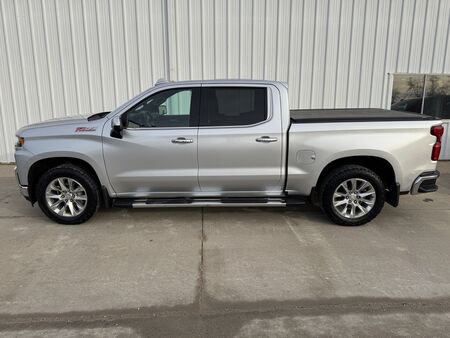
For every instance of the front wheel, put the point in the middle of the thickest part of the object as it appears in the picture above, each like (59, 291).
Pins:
(352, 195)
(68, 194)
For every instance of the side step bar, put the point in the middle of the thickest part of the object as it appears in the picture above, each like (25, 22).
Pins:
(206, 202)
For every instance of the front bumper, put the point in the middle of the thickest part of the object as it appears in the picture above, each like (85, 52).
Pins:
(425, 182)
(22, 188)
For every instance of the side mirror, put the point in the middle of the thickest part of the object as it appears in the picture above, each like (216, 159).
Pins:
(116, 127)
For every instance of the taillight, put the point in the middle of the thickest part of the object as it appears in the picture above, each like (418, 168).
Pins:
(437, 131)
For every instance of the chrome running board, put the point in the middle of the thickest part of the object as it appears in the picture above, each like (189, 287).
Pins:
(206, 204)
(199, 202)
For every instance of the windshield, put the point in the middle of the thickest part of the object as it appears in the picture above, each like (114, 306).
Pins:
(123, 105)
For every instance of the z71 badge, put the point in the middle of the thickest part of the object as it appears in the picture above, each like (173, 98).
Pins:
(84, 129)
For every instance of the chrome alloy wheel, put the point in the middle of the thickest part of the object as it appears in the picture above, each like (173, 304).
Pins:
(354, 198)
(66, 197)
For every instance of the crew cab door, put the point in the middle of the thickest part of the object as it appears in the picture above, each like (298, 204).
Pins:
(239, 141)
(157, 154)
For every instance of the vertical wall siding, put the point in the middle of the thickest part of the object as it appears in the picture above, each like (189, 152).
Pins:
(61, 57)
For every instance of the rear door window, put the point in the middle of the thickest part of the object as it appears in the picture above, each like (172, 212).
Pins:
(233, 106)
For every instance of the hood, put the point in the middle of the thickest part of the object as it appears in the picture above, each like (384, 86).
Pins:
(81, 120)
(56, 122)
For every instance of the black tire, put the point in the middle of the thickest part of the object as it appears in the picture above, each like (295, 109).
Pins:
(80, 175)
(336, 178)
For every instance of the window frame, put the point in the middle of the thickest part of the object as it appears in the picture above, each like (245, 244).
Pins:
(236, 85)
(194, 116)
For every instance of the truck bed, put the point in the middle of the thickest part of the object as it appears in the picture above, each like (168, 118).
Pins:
(353, 115)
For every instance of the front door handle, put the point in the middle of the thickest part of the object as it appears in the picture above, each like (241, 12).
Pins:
(182, 140)
(266, 139)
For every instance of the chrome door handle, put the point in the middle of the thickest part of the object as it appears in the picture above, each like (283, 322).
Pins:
(182, 140)
(266, 139)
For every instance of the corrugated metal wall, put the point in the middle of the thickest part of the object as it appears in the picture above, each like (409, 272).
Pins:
(61, 57)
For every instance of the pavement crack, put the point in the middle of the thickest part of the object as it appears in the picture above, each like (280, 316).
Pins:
(17, 216)
(272, 309)
(200, 289)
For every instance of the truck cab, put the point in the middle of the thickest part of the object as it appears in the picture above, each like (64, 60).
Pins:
(199, 139)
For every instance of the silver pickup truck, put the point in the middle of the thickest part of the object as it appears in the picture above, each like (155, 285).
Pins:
(227, 143)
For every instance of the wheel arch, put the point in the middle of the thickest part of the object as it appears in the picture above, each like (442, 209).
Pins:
(382, 167)
(39, 167)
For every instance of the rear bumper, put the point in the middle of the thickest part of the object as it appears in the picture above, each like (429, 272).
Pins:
(22, 188)
(425, 182)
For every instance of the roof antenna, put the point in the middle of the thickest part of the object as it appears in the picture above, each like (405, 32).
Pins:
(160, 81)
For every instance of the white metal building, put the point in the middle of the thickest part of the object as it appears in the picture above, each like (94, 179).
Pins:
(61, 57)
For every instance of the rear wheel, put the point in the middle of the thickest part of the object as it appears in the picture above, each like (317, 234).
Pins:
(68, 194)
(352, 195)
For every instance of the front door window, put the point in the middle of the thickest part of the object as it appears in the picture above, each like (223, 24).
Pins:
(173, 108)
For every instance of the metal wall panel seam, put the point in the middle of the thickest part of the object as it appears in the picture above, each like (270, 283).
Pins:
(287, 67)
(421, 67)
(350, 54)
(337, 53)
(191, 70)
(80, 60)
(277, 40)
(164, 17)
(89, 52)
(32, 88)
(14, 59)
(264, 40)
(446, 56)
(295, 53)
(361, 80)
(429, 36)
(311, 93)
(21, 62)
(131, 48)
(42, 64)
(112, 52)
(412, 36)
(387, 52)
(399, 39)
(6, 144)
(174, 26)
(373, 54)
(150, 44)
(433, 61)
(325, 53)
(67, 57)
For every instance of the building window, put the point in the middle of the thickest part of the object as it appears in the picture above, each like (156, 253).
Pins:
(422, 94)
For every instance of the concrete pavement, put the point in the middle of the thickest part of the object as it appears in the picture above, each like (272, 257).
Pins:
(225, 272)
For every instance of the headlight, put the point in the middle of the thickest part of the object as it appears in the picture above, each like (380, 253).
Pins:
(20, 142)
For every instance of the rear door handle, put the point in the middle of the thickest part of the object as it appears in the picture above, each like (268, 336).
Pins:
(182, 140)
(266, 139)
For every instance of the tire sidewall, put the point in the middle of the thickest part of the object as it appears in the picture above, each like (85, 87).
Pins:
(81, 177)
(340, 177)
